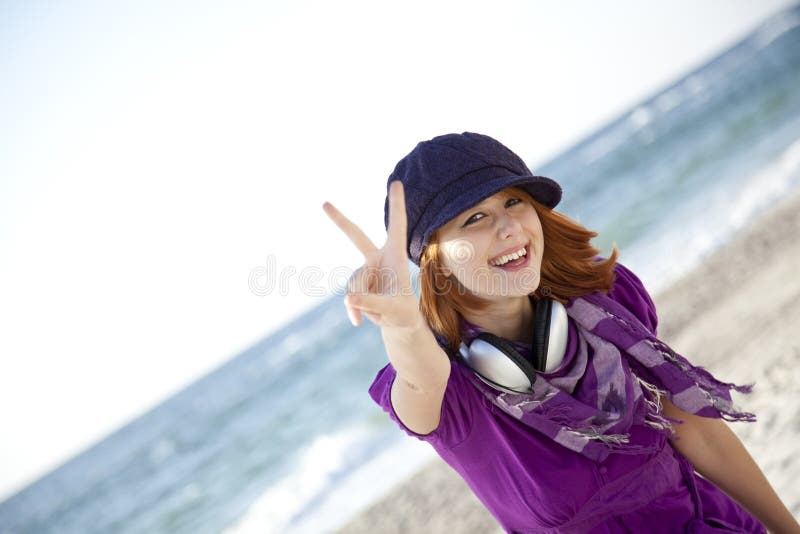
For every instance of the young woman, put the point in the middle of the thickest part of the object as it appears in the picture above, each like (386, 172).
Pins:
(532, 365)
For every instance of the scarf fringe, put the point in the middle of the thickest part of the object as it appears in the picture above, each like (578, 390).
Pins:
(652, 395)
(613, 443)
(593, 433)
(712, 388)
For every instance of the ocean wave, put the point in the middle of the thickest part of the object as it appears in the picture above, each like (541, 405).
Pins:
(335, 477)
(663, 255)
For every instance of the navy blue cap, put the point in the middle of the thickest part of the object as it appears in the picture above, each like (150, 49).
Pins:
(451, 173)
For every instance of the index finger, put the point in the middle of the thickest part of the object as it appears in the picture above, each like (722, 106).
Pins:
(351, 229)
(397, 214)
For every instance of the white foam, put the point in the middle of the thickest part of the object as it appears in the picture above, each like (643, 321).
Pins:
(274, 358)
(669, 100)
(603, 145)
(338, 484)
(273, 511)
(766, 186)
(665, 254)
(161, 450)
(640, 117)
(695, 84)
(776, 27)
(366, 485)
(284, 507)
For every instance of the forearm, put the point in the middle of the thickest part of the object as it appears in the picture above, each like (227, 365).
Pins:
(416, 356)
(718, 454)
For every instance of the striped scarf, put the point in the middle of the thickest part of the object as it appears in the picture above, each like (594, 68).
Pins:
(590, 405)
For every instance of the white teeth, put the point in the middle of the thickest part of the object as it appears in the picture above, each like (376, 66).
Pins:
(509, 257)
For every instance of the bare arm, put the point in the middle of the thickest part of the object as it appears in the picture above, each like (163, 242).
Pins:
(418, 389)
(421, 365)
(382, 291)
(718, 454)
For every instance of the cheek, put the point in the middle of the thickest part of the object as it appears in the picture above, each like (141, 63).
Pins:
(463, 272)
(463, 268)
(459, 254)
(536, 224)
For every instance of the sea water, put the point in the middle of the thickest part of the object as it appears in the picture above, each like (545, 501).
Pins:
(284, 438)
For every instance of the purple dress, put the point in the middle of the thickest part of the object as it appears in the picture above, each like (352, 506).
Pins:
(530, 483)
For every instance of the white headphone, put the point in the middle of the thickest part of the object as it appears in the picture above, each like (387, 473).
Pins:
(496, 362)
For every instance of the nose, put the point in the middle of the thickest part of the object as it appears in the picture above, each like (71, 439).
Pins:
(507, 225)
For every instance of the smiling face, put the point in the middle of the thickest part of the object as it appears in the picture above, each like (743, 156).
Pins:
(495, 248)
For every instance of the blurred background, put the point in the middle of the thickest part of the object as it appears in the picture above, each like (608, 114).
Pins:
(174, 353)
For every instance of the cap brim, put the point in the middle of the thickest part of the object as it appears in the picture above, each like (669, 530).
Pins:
(469, 191)
(541, 188)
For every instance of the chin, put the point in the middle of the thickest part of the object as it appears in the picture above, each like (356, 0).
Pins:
(527, 282)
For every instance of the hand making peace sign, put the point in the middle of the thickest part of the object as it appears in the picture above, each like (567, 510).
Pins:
(381, 288)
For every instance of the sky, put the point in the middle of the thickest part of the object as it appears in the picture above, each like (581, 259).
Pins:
(163, 166)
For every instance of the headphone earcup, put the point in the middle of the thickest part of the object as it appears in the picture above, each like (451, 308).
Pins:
(506, 348)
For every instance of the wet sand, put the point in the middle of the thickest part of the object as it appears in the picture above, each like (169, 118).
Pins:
(738, 315)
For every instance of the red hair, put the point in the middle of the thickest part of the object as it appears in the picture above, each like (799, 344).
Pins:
(569, 269)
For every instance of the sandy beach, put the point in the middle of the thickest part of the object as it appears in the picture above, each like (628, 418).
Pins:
(737, 314)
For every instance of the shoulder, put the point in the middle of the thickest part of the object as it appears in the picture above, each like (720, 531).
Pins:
(629, 291)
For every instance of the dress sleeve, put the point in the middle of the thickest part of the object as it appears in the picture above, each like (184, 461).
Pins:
(455, 420)
(629, 291)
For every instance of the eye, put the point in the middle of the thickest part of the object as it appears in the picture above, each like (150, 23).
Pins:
(474, 218)
(478, 216)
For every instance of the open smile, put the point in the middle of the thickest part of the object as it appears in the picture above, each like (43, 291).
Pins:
(512, 259)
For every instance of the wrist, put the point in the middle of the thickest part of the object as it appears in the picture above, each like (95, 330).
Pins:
(416, 330)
